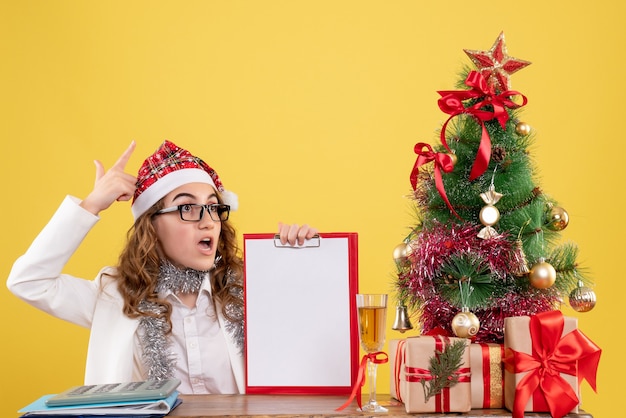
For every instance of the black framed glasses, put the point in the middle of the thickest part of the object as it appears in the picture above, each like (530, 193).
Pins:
(193, 212)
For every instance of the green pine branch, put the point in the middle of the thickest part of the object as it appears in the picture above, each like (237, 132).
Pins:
(470, 271)
(443, 366)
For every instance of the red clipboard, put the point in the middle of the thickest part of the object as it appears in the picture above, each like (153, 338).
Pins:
(301, 322)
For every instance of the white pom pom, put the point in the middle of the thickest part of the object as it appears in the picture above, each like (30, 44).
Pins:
(231, 199)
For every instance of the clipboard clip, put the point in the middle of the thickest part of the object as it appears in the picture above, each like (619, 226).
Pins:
(314, 242)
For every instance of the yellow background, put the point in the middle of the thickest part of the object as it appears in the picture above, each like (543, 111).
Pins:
(309, 110)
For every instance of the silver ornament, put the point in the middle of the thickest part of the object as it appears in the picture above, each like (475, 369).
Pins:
(582, 299)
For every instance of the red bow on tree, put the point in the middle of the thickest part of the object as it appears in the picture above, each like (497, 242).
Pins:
(442, 161)
(551, 356)
(451, 102)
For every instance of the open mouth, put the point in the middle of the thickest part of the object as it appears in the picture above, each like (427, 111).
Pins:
(205, 244)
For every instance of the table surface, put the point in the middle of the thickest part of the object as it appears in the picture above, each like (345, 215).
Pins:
(199, 406)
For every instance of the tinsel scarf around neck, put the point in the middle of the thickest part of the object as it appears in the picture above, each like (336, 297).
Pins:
(157, 356)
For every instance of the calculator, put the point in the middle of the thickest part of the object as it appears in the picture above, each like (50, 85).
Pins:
(115, 392)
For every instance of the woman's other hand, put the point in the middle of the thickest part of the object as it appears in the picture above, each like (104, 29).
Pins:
(294, 234)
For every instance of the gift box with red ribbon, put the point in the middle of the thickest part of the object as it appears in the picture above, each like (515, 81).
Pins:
(487, 375)
(396, 361)
(411, 377)
(546, 359)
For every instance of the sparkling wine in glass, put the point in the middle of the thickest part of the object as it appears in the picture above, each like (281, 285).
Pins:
(372, 323)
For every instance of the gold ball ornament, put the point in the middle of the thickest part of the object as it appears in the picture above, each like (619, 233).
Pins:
(401, 253)
(453, 157)
(465, 324)
(582, 299)
(542, 275)
(559, 219)
(522, 128)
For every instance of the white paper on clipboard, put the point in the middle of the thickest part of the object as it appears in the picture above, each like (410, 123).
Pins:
(301, 331)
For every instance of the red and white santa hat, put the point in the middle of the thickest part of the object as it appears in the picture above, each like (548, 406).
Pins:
(168, 168)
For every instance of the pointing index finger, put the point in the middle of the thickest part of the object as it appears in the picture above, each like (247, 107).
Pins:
(121, 162)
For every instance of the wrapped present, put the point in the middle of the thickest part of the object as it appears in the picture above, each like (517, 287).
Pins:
(487, 375)
(546, 359)
(396, 361)
(422, 388)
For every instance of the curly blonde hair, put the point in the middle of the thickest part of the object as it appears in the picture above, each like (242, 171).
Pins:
(140, 260)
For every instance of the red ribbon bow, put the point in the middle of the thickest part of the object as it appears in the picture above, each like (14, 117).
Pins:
(451, 103)
(551, 356)
(360, 378)
(442, 162)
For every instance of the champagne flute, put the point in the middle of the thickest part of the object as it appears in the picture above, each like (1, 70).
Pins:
(372, 323)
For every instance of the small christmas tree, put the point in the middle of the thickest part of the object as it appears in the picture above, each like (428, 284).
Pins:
(484, 246)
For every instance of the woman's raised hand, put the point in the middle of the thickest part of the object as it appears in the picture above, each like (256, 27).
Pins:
(114, 184)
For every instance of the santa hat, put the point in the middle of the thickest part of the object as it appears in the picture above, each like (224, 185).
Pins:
(168, 168)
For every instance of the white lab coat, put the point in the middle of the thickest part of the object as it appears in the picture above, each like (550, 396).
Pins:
(36, 277)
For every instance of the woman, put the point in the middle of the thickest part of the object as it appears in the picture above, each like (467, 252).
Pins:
(173, 306)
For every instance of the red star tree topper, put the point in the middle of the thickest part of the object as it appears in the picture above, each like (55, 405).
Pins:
(496, 65)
